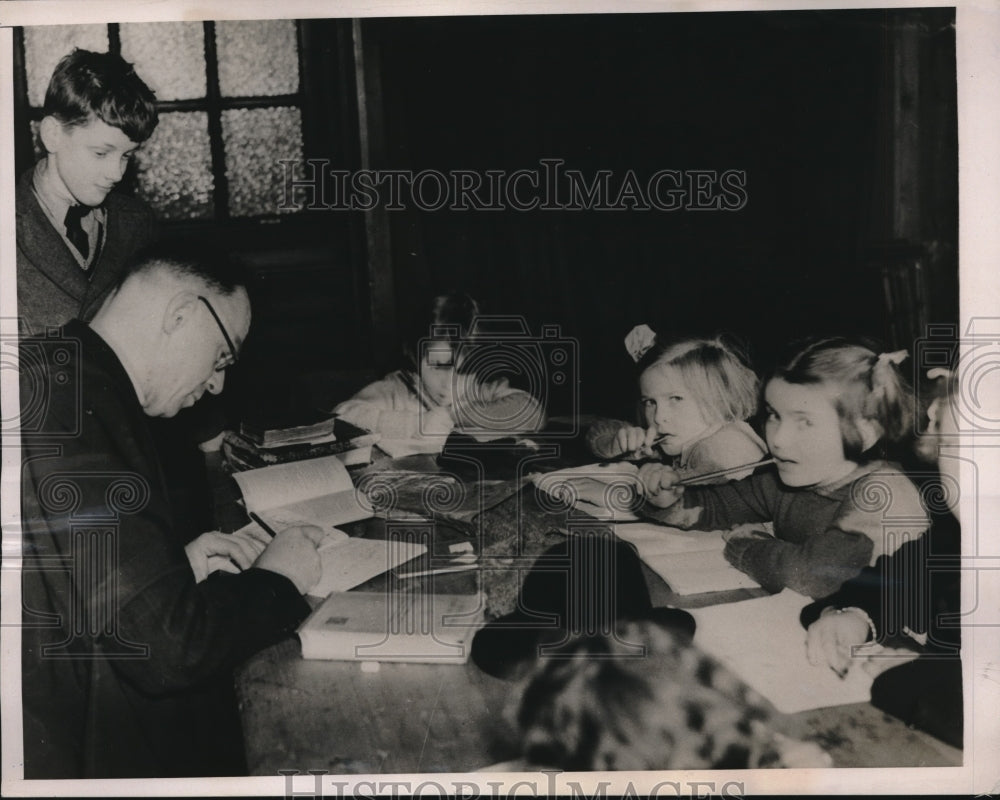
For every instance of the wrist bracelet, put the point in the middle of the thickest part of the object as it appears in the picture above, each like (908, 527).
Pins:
(873, 634)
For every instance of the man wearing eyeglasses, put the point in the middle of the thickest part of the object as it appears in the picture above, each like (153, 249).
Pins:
(128, 643)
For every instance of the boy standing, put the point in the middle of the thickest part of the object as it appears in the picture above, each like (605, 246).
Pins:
(73, 235)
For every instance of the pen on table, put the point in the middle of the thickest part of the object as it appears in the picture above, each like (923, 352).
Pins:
(438, 571)
(267, 528)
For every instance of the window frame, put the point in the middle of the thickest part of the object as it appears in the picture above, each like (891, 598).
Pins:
(328, 119)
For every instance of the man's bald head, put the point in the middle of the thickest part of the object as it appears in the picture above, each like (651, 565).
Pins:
(176, 320)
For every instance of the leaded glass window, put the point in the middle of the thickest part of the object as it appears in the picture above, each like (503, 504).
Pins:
(230, 102)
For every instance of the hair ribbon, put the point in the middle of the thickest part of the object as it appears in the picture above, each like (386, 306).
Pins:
(639, 340)
(897, 357)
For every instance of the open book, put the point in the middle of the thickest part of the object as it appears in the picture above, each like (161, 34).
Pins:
(763, 642)
(314, 492)
(320, 492)
(691, 562)
(393, 626)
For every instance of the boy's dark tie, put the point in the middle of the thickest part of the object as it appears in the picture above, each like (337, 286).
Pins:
(74, 230)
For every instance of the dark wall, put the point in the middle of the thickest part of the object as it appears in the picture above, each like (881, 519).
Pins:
(793, 99)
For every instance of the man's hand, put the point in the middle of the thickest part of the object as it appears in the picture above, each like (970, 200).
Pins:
(229, 552)
(659, 484)
(292, 553)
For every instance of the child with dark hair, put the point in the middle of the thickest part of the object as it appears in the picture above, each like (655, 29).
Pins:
(835, 504)
(909, 601)
(438, 388)
(696, 395)
(74, 235)
(646, 699)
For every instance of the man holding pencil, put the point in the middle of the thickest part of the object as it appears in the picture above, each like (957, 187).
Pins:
(129, 638)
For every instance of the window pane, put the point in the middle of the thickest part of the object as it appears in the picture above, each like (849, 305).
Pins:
(256, 140)
(36, 140)
(174, 167)
(44, 45)
(257, 58)
(168, 56)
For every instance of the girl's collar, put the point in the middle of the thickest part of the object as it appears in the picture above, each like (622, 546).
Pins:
(831, 487)
(685, 454)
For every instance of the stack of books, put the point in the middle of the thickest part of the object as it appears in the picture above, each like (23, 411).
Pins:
(258, 445)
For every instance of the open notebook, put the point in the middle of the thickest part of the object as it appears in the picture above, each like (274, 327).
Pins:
(691, 562)
(320, 492)
(763, 642)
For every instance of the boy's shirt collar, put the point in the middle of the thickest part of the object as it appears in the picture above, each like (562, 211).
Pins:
(55, 200)
(51, 192)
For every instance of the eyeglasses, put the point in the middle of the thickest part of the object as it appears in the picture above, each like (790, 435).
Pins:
(227, 359)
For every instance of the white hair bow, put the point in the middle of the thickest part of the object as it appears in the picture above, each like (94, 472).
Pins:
(639, 340)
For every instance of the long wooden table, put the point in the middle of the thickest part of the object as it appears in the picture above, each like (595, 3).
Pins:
(341, 718)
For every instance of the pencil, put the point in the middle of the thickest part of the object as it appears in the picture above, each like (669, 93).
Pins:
(267, 528)
(415, 387)
(439, 571)
(720, 472)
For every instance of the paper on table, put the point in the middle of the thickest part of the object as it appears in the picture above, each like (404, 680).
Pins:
(327, 511)
(605, 491)
(347, 561)
(691, 562)
(651, 539)
(397, 448)
(351, 562)
(763, 642)
(705, 571)
(355, 456)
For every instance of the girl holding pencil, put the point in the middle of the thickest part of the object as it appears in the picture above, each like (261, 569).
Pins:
(434, 392)
(836, 505)
(695, 396)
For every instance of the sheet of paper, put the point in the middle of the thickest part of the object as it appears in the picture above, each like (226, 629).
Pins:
(282, 484)
(763, 642)
(700, 571)
(333, 533)
(351, 562)
(691, 562)
(605, 491)
(651, 539)
(327, 511)
(397, 448)
(358, 455)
